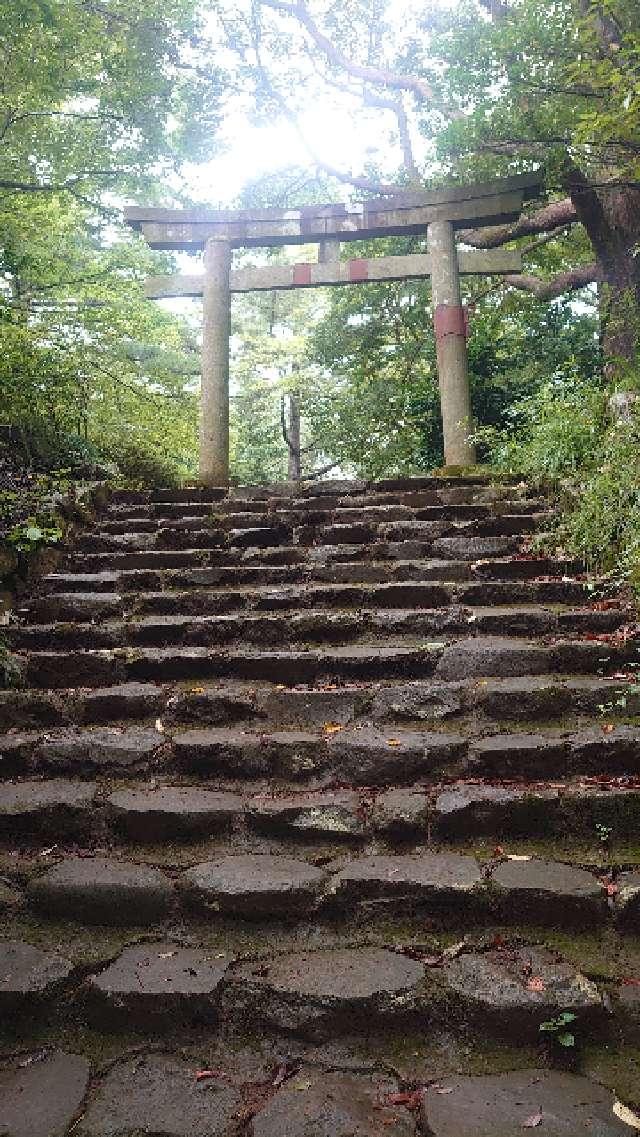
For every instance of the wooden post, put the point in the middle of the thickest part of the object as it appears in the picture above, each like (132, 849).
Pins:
(214, 396)
(451, 345)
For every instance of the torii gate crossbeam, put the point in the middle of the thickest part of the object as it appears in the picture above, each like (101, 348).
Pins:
(438, 212)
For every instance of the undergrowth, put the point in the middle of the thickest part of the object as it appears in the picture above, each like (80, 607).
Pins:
(566, 438)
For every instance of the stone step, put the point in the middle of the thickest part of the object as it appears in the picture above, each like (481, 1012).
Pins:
(470, 703)
(440, 886)
(468, 541)
(484, 553)
(474, 657)
(321, 511)
(322, 994)
(78, 607)
(364, 755)
(310, 626)
(601, 808)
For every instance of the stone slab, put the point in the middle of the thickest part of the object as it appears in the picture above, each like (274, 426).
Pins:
(433, 879)
(628, 899)
(516, 990)
(172, 812)
(317, 994)
(253, 885)
(323, 1104)
(41, 1095)
(55, 805)
(28, 974)
(477, 810)
(331, 813)
(99, 890)
(498, 1105)
(549, 892)
(155, 982)
(158, 1096)
(102, 748)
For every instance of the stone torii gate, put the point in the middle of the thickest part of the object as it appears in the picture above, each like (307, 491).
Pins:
(438, 213)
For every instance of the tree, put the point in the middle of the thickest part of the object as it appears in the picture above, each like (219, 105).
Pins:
(99, 100)
(83, 351)
(478, 90)
(100, 96)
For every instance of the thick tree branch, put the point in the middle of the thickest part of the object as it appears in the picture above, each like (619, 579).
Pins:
(378, 76)
(397, 107)
(570, 281)
(556, 215)
(368, 184)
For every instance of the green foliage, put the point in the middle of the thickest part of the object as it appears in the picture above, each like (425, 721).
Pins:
(30, 535)
(565, 433)
(97, 103)
(556, 1028)
(10, 669)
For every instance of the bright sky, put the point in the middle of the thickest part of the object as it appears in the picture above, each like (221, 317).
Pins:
(340, 130)
(255, 150)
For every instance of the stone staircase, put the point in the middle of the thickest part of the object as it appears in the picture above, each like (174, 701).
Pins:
(315, 807)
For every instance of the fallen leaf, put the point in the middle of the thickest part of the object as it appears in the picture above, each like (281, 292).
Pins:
(332, 727)
(498, 851)
(627, 1115)
(393, 742)
(444, 1089)
(197, 690)
(518, 857)
(608, 728)
(202, 1075)
(533, 1121)
(166, 954)
(159, 726)
(304, 1085)
(411, 1099)
(454, 950)
(536, 983)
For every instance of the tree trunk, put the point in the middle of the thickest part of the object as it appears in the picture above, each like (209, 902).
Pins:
(611, 217)
(620, 316)
(293, 440)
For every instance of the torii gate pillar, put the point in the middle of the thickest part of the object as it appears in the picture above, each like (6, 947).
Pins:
(451, 345)
(214, 397)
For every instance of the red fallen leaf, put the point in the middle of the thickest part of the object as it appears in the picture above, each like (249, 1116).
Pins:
(533, 1121)
(608, 728)
(201, 1075)
(498, 851)
(410, 1099)
(609, 886)
(498, 941)
(282, 1071)
(536, 983)
(631, 982)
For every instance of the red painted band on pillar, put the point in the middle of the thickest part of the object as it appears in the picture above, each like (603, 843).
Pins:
(450, 320)
(302, 274)
(358, 269)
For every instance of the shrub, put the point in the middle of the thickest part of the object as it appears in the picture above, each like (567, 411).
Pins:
(564, 436)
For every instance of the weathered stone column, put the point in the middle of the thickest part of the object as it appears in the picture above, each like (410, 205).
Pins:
(328, 252)
(451, 345)
(214, 396)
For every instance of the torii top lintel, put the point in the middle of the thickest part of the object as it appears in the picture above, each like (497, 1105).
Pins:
(490, 203)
